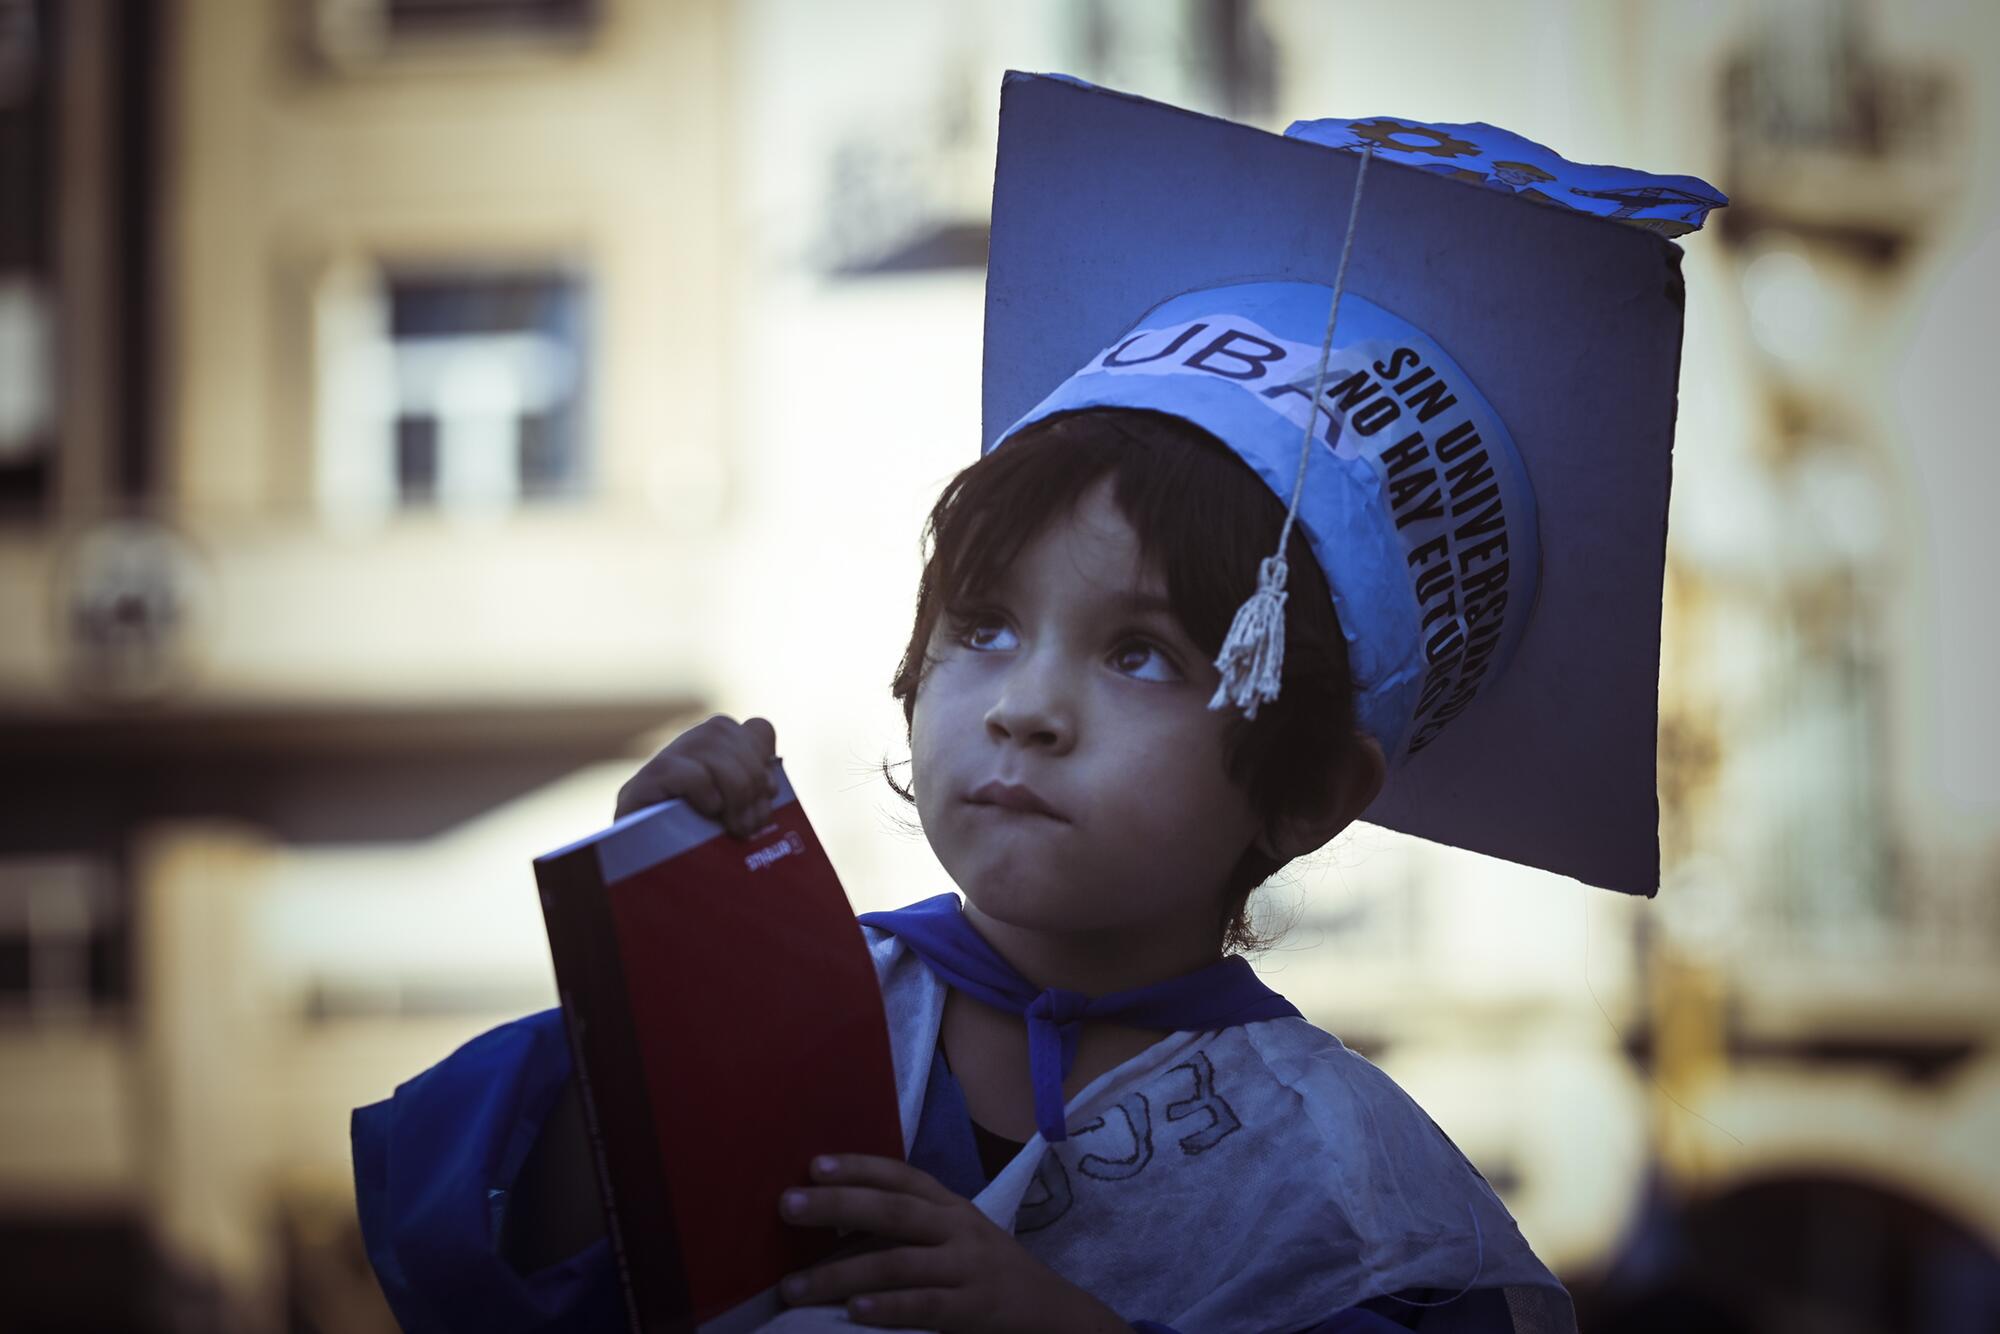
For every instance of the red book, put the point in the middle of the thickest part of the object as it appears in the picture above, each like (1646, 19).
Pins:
(727, 1025)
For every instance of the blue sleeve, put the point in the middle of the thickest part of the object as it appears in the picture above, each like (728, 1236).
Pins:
(432, 1167)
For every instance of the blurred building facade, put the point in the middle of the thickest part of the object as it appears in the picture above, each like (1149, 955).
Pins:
(354, 516)
(412, 414)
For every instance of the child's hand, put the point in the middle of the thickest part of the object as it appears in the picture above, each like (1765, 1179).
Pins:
(963, 1275)
(721, 767)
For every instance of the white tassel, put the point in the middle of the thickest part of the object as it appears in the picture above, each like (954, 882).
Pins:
(1254, 653)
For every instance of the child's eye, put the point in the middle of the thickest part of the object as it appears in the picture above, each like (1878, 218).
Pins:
(1147, 646)
(967, 628)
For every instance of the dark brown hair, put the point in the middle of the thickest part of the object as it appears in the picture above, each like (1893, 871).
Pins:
(1204, 519)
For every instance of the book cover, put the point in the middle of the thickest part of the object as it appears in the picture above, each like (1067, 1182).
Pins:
(727, 1025)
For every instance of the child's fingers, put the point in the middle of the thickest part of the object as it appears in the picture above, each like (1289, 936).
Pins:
(886, 1213)
(763, 738)
(869, 1169)
(736, 756)
(669, 776)
(878, 1272)
(751, 778)
(918, 1308)
(740, 797)
(720, 767)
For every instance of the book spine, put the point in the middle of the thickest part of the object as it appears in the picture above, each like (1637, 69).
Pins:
(573, 1026)
(603, 1044)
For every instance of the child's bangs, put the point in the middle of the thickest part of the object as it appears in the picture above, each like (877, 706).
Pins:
(1203, 519)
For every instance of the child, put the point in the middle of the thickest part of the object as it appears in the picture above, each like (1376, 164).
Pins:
(1111, 1122)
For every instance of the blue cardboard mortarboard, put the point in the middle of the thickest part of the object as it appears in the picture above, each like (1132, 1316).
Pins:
(1105, 204)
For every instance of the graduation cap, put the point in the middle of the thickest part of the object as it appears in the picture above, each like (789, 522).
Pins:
(1491, 436)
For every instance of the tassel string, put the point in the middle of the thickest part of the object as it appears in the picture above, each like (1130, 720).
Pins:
(1253, 655)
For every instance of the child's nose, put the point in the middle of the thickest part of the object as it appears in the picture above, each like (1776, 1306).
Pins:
(1034, 707)
(1028, 729)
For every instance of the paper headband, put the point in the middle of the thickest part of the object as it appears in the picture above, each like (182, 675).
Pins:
(1416, 504)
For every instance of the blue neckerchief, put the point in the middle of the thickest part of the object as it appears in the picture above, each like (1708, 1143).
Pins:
(1222, 995)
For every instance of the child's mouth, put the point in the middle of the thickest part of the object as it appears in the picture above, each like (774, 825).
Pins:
(1013, 797)
(1009, 810)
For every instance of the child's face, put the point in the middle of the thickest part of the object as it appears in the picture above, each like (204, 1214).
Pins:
(1103, 711)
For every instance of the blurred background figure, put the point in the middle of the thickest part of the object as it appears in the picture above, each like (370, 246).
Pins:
(415, 412)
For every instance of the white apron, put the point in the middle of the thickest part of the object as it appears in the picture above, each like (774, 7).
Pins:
(1258, 1178)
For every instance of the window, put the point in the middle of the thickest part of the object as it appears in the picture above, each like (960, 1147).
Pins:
(27, 295)
(354, 36)
(451, 17)
(62, 942)
(464, 392)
